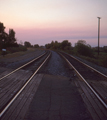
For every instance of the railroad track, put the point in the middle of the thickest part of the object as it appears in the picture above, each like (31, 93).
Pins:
(93, 86)
(28, 63)
(11, 86)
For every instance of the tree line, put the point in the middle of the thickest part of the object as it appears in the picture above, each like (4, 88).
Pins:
(81, 47)
(7, 39)
(64, 45)
(9, 43)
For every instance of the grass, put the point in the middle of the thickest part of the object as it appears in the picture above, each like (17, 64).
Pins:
(100, 59)
(15, 54)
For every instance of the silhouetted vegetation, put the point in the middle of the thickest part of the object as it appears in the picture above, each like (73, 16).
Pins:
(64, 45)
(27, 44)
(7, 40)
(105, 49)
(85, 51)
(36, 46)
(82, 48)
(9, 43)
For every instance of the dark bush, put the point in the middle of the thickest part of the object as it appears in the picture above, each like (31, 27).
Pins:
(105, 50)
(83, 49)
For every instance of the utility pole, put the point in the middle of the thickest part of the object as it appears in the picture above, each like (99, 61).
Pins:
(98, 32)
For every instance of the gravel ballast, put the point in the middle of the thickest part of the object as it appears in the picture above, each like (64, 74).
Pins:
(56, 66)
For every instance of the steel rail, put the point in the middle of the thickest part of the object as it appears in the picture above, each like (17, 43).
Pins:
(17, 94)
(22, 66)
(95, 93)
(88, 66)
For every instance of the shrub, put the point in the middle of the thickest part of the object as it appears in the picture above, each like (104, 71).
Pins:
(83, 49)
(104, 61)
(105, 50)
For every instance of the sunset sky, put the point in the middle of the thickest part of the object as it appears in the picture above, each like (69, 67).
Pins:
(41, 21)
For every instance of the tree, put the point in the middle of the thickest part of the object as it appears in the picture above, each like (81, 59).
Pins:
(1, 27)
(48, 46)
(27, 44)
(3, 36)
(36, 46)
(11, 40)
(52, 45)
(7, 40)
(65, 44)
(83, 49)
(105, 49)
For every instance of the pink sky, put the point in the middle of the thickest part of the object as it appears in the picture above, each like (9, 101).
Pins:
(40, 22)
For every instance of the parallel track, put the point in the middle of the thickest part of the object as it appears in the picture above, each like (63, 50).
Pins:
(90, 76)
(22, 66)
(92, 86)
(21, 88)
